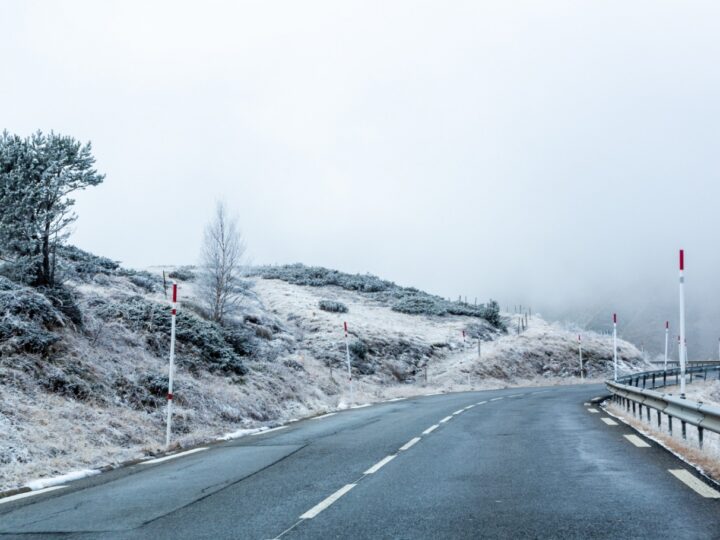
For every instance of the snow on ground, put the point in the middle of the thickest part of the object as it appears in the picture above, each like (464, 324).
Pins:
(97, 412)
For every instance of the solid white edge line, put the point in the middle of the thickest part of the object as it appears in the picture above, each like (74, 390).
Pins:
(445, 419)
(315, 510)
(384, 461)
(697, 485)
(410, 443)
(637, 441)
(609, 421)
(29, 494)
(167, 458)
(263, 432)
(324, 416)
(432, 428)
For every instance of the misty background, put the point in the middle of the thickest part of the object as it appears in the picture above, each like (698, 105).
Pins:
(552, 154)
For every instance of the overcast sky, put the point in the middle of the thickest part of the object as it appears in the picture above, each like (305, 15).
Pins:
(556, 153)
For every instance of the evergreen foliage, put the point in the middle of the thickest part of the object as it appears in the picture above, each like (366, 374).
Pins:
(332, 306)
(37, 176)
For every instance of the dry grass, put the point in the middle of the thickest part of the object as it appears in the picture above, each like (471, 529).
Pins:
(706, 460)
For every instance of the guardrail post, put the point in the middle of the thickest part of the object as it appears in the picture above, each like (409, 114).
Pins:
(665, 378)
(659, 418)
(670, 424)
(691, 375)
(648, 413)
(633, 408)
(644, 380)
(700, 436)
(683, 424)
(627, 404)
(653, 381)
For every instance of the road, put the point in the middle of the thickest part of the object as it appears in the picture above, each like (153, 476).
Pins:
(517, 463)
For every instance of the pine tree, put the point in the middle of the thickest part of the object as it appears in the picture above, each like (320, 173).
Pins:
(37, 175)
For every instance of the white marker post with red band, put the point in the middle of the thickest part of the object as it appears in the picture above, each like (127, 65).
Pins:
(173, 313)
(582, 376)
(615, 344)
(683, 346)
(667, 337)
(347, 353)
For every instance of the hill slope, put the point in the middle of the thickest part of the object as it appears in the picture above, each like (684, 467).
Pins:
(84, 367)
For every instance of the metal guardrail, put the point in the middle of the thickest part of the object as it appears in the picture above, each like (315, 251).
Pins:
(637, 390)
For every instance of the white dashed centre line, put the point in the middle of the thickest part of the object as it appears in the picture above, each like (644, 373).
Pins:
(429, 430)
(593, 410)
(495, 399)
(409, 444)
(375, 468)
(637, 441)
(29, 494)
(609, 421)
(445, 419)
(458, 412)
(697, 485)
(481, 403)
(315, 510)
(166, 458)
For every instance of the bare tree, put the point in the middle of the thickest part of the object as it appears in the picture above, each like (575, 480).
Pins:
(221, 263)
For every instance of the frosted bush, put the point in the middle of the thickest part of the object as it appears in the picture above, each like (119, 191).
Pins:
(332, 306)
(27, 319)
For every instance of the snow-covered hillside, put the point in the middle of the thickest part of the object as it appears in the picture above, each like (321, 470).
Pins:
(84, 378)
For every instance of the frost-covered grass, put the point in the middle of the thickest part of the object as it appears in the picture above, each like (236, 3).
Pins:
(706, 459)
(402, 299)
(96, 396)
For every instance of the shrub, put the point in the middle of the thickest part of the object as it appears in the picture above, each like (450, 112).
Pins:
(83, 265)
(419, 305)
(27, 320)
(333, 306)
(196, 337)
(145, 280)
(359, 349)
(184, 273)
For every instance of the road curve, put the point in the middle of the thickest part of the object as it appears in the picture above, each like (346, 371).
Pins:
(516, 463)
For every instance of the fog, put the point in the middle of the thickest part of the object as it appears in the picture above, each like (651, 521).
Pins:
(552, 154)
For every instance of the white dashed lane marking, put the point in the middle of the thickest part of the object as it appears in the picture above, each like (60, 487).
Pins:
(409, 444)
(315, 510)
(697, 485)
(429, 430)
(495, 399)
(637, 441)
(481, 403)
(375, 468)
(458, 412)
(593, 410)
(609, 421)
(445, 419)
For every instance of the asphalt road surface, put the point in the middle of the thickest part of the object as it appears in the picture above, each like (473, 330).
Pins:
(518, 463)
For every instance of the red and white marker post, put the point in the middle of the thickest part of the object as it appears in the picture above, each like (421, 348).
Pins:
(667, 337)
(683, 346)
(347, 354)
(173, 313)
(582, 375)
(615, 345)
